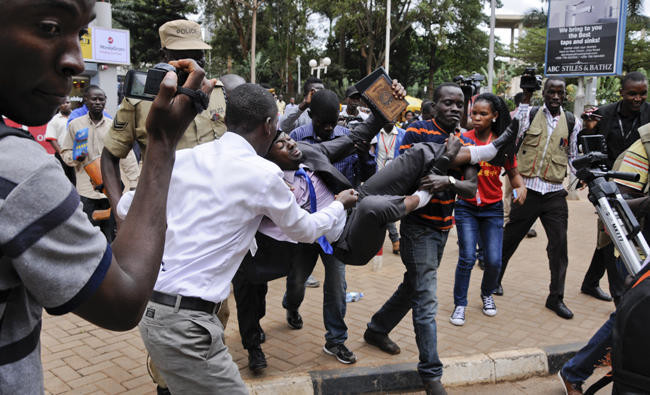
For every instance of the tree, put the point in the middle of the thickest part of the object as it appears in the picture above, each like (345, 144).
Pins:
(282, 32)
(143, 18)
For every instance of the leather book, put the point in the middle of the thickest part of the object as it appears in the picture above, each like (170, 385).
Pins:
(375, 89)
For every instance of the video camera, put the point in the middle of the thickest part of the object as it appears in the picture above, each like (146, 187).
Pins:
(530, 81)
(469, 85)
(145, 85)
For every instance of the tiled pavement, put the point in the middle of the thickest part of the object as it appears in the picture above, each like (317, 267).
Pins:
(80, 358)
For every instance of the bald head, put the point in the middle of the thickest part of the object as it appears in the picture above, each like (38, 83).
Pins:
(231, 81)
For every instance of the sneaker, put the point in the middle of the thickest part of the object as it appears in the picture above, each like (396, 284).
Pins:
(340, 352)
(458, 316)
(312, 282)
(489, 308)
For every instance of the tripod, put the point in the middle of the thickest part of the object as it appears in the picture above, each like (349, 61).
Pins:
(620, 223)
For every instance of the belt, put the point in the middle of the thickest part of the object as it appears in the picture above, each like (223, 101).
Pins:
(185, 302)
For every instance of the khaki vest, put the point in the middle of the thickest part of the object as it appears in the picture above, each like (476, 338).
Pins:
(551, 165)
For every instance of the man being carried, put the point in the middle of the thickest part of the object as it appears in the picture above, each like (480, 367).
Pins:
(386, 197)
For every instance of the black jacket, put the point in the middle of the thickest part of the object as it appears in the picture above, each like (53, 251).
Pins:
(610, 128)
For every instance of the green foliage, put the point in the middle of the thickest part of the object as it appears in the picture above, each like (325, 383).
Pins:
(143, 18)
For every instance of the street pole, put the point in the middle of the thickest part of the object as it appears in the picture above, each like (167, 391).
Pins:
(387, 57)
(253, 31)
(299, 83)
(491, 55)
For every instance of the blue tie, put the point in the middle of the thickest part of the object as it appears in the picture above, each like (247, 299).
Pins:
(322, 241)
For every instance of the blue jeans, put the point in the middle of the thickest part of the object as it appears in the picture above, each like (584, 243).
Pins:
(334, 288)
(393, 234)
(421, 251)
(582, 365)
(478, 225)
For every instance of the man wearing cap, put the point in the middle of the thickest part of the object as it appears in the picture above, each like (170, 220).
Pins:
(179, 39)
(350, 113)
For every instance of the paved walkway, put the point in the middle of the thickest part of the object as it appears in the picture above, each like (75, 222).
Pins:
(80, 358)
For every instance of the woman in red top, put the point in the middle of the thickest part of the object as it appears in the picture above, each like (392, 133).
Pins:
(481, 218)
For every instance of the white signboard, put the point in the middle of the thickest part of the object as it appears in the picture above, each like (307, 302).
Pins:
(111, 46)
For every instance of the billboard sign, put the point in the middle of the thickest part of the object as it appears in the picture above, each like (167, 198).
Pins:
(103, 45)
(585, 37)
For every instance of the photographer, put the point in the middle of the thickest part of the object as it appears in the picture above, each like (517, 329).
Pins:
(619, 122)
(52, 257)
(633, 160)
(547, 144)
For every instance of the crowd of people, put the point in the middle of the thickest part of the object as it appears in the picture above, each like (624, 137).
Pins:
(147, 216)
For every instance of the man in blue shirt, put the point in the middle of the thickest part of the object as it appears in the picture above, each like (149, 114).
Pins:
(324, 111)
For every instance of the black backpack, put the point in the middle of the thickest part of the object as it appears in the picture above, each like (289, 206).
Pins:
(630, 353)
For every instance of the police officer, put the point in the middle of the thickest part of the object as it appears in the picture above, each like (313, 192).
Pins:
(179, 39)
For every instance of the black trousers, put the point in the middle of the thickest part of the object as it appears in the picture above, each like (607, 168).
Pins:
(272, 260)
(552, 210)
(604, 260)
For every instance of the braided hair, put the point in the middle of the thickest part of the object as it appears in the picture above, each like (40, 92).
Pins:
(497, 105)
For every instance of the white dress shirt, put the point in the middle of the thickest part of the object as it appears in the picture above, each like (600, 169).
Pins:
(219, 193)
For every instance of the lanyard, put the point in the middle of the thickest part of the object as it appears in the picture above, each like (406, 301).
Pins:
(623, 132)
(388, 148)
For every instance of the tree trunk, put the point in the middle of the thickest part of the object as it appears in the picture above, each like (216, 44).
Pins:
(433, 67)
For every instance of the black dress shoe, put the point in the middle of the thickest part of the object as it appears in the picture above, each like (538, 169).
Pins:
(596, 292)
(294, 319)
(498, 291)
(256, 360)
(559, 307)
(434, 387)
(381, 341)
(262, 336)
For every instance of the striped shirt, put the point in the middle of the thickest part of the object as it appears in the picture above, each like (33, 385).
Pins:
(50, 255)
(635, 161)
(347, 166)
(537, 184)
(438, 213)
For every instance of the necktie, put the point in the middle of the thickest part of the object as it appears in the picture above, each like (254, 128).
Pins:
(313, 207)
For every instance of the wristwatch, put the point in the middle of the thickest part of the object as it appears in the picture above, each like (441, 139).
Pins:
(452, 181)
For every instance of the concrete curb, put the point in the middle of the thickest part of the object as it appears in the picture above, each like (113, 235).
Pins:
(464, 370)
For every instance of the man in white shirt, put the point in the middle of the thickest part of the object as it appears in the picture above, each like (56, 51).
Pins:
(54, 132)
(219, 193)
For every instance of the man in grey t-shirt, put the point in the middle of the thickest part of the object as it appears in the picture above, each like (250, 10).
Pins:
(50, 255)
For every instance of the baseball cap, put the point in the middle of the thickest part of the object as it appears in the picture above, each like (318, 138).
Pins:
(351, 91)
(181, 34)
